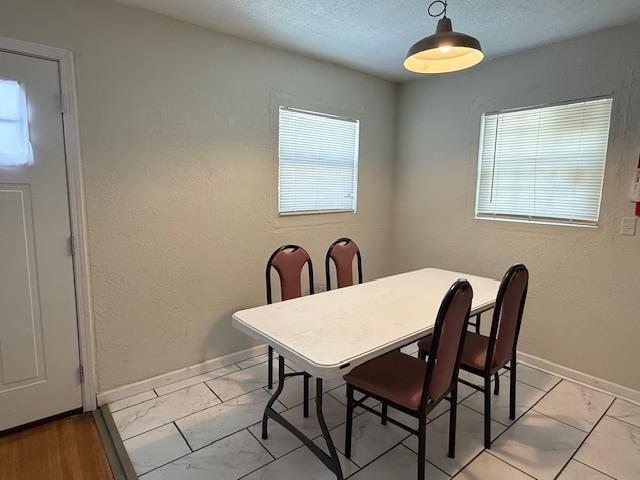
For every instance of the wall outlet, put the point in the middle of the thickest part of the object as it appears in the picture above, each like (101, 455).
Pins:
(628, 226)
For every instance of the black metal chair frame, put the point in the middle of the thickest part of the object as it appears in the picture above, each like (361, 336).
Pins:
(490, 371)
(270, 301)
(327, 259)
(426, 405)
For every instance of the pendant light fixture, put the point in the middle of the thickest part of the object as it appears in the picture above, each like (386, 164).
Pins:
(445, 50)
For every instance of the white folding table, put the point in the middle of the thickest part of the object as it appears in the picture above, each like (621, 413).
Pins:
(329, 333)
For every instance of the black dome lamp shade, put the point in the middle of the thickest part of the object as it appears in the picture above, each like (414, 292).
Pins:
(445, 50)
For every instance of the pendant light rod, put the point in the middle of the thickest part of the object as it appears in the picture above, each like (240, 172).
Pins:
(438, 2)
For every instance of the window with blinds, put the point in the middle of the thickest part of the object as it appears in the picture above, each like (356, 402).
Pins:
(544, 164)
(318, 166)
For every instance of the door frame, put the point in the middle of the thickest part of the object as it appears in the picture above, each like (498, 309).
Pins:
(77, 207)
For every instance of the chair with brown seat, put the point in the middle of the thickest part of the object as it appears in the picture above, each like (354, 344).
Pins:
(485, 356)
(342, 252)
(411, 385)
(289, 261)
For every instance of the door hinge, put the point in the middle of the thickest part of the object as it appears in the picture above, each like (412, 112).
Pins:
(71, 246)
(81, 373)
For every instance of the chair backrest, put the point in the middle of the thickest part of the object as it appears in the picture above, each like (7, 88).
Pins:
(447, 342)
(507, 316)
(342, 252)
(288, 261)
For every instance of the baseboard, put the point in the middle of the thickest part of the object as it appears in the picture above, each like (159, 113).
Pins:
(605, 386)
(177, 375)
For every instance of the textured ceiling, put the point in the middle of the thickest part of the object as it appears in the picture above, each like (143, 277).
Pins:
(374, 35)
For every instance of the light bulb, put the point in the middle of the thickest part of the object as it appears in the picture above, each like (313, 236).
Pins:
(445, 48)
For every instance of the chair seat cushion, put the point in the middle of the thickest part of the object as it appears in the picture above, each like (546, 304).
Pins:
(395, 376)
(474, 353)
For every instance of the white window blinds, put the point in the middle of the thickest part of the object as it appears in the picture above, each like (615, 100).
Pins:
(544, 164)
(318, 169)
(15, 147)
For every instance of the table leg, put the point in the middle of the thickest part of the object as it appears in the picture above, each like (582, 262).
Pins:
(331, 461)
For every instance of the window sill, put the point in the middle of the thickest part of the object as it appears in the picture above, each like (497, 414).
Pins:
(314, 212)
(558, 223)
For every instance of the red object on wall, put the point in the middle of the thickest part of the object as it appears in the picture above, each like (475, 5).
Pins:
(638, 209)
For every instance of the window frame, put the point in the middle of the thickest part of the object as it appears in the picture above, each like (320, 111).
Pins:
(356, 161)
(542, 220)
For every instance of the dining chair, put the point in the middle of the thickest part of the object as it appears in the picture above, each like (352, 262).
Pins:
(289, 261)
(342, 253)
(485, 356)
(411, 385)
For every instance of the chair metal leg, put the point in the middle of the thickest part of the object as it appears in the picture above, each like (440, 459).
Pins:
(270, 366)
(335, 461)
(422, 354)
(512, 389)
(453, 412)
(496, 386)
(274, 397)
(306, 396)
(384, 413)
(487, 411)
(347, 440)
(478, 323)
(422, 445)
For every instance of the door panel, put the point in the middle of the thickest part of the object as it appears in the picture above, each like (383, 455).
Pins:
(39, 356)
(21, 342)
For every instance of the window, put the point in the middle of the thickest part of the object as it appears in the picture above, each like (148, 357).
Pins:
(544, 164)
(318, 170)
(15, 147)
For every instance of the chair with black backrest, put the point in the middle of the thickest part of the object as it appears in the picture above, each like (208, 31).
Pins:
(289, 261)
(485, 356)
(342, 253)
(411, 385)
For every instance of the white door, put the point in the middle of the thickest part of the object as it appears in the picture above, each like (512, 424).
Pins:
(39, 357)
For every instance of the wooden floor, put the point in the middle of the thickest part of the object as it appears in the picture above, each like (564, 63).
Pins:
(66, 449)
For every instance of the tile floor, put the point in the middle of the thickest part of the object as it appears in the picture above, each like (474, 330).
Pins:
(207, 427)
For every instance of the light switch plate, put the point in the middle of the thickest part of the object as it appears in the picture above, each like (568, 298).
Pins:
(628, 226)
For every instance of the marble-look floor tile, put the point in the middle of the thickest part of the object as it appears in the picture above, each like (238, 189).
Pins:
(486, 466)
(162, 410)
(534, 377)
(469, 439)
(579, 471)
(526, 397)
(300, 464)
(613, 448)
(538, 445)
(209, 425)
(257, 360)
(575, 405)
(369, 438)
(399, 463)
(240, 382)
(333, 411)
(203, 377)
(280, 441)
(228, 459)
(626, 411)
(156, 448)
(132, 400)
(411, 349)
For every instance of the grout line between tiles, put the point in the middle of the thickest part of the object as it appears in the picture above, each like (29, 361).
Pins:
(585, 439)
(183, 437)
(592, 468)
(263, 445)
(505, 462)
(623, 421)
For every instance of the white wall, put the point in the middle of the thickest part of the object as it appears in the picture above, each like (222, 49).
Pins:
(584, 301)
(179, 149)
